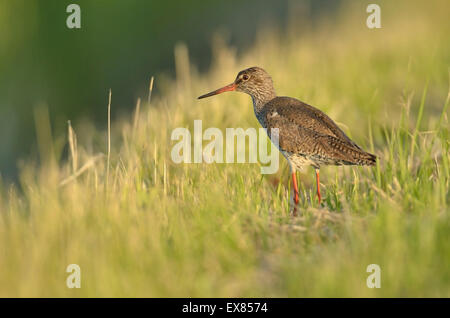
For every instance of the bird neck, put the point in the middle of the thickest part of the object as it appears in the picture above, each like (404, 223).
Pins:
(260, 98)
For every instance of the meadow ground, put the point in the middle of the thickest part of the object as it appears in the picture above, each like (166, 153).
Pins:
(143, 226)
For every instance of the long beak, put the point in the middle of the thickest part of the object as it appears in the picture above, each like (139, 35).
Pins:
(228, 88)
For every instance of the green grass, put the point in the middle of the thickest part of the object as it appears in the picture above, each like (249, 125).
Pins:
(158, 229)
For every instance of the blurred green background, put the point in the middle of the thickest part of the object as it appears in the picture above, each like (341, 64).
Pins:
(140, 225)
(120, 45)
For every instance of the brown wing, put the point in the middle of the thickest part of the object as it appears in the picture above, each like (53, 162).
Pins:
(326, 148)
(308, 117)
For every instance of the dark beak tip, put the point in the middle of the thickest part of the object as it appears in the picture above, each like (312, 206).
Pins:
(227, 88)
(206, 95)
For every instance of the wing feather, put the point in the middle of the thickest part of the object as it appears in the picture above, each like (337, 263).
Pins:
(308, 117)
(310, 134)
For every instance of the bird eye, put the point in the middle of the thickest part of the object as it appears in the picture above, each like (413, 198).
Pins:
(245, 77)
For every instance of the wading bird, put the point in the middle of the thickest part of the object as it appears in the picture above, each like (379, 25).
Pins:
(306, 135)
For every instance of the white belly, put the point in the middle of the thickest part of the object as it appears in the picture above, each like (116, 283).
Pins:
(296, 161)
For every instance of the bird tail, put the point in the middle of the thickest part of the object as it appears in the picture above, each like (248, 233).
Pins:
(361, 158)
(368, 159)
(347, 154)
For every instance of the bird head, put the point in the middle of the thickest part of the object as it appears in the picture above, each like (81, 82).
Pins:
(254, 81)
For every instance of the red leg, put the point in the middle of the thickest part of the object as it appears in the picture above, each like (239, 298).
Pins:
(318, 185)
(294, 181)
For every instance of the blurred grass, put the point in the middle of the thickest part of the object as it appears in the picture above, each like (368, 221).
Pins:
(164, 230)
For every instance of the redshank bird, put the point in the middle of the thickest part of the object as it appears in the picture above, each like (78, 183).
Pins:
(306, 135)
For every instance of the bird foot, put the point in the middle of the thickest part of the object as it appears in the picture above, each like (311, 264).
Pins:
(294, 203)
(294, 211)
